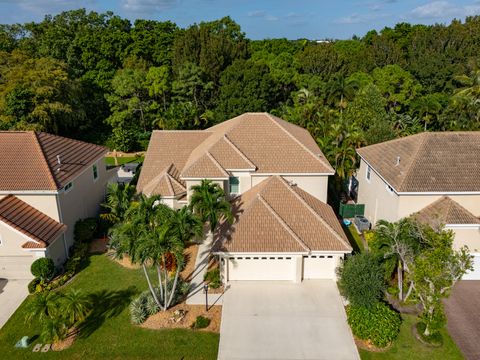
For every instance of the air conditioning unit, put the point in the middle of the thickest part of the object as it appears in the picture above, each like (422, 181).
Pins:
(361, 222)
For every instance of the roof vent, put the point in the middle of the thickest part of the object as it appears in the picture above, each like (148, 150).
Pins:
(59, 162)
(398, 161)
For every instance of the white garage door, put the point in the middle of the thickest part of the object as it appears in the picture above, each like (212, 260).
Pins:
(16, 267)
(261, 268)
(319, 266)
(475, 274)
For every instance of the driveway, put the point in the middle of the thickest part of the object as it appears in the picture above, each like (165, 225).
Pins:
(462, 308)
(12, 294)
(283, 320)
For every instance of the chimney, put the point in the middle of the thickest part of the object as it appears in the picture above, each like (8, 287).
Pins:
(398, 161)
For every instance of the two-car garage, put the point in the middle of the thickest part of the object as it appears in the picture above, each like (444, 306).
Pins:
(289, 267)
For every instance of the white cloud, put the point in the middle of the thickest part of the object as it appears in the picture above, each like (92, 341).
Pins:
(43, 7)
(147, 6)
(444, 9)
(360, 18)
(263, 15)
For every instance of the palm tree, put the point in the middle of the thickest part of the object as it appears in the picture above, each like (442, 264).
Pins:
(118, 201)
(75, 306)
(398, 241)
(43, 306)
(209, 203)
(470, 81)
(341, 89)
(54, 330)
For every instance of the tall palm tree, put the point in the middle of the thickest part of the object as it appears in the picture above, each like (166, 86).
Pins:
(341, 90)
(209, 203)
(118, 201)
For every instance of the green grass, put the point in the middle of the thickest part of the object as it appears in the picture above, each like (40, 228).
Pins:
(407, 347)
(354, 238)
(110, 161)
(108, 334)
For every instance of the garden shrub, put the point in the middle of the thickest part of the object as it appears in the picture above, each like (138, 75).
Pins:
(213, 278)
(361, 279)
(201, 322)
(379, 324)
(43, 268)
(151, 305)
(138, 312)
(85, 229)
(32, 285)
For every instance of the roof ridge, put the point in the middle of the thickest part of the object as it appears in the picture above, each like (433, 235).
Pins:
(282, 222)
(302, 200)
(169, 183)
(45, 162)
(236, 148)
(415, 159)
(320, 159)
(175, 180)
(216, 162)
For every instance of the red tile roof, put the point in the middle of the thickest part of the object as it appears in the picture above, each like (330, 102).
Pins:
(29, 160)
(42, 229)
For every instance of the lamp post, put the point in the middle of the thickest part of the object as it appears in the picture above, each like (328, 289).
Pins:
(205, 290)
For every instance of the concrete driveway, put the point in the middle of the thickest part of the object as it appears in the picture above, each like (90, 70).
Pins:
(462, 309)
(282, 320)
(12, 294)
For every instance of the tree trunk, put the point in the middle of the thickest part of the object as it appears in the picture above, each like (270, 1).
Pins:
(400, 280)
(160, 282)
(165, 283)
(173, 288)
(152, 290)
(409, 291)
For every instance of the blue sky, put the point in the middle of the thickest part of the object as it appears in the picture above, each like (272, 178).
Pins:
(312, 19)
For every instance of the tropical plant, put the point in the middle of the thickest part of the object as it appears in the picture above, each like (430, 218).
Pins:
(75, 306)
(118, 199)
(85, 229)
(209, 203)
(43, 268)
(361, 279)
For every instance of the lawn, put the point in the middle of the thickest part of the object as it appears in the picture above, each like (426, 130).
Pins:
(354, 238)
(110, 161)
(407, 347)
(109, 334)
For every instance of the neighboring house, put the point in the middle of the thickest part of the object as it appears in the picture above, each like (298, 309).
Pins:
(126, 173)
(434, 174)
(47, 183)
(277, 179)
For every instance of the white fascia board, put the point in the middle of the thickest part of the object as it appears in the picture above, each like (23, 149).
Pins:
(28, 192)
(462, 226)
(259, 253)
(293, 174)
(440, 193)
(203, 178)
(330, 252)
(380, 176)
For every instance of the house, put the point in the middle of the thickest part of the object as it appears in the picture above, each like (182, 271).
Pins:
(47, 183)
(434, 175)
(276, 177)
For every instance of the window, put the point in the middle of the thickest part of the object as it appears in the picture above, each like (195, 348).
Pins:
(95, 172)
(389, 189)
(369, 171)
(68, 187)
(234, 185)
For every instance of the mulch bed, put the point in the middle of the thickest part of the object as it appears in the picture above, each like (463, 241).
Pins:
(164, 319)
(367, 345)
(99, 245)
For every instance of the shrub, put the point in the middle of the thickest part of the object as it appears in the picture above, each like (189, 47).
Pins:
(85, 229)
(379, 324)
(201, 322)
(361, 279)
(213, 278)
(151, 305)
(138, 312)
(43, 268)
(32, 285)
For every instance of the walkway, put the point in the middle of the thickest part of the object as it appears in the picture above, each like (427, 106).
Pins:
(12, 294)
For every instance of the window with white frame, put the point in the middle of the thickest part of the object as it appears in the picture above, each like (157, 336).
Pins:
(234, 185)
(369, 173)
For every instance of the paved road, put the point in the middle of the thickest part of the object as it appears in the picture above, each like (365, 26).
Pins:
(283, 320)
(12, 294)
(463, 316)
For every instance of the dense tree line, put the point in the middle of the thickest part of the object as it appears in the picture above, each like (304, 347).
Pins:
(101, 78)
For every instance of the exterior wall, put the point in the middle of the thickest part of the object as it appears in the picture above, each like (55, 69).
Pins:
(46, 203)
(380, 203)
(12, 242)
(223, 184)
(84, 198)
(315, 185)
(57, 252)
(410, 204)
(469, 237)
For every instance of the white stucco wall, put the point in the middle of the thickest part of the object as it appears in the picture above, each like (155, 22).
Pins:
(315, 185)
(380, 203)
(410, 204)
(466, 236)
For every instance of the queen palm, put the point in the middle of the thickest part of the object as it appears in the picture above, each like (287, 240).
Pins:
(118, 201)
(75, 306)
(209, 203)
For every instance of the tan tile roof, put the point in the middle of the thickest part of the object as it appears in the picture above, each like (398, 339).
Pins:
(29, 160)
(33, 223)
(275, 216)
(257, 141)
(166, 148)
(445, 211)
(429, 162)
(166, 183)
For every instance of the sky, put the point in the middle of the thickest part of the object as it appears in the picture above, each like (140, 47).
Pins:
(260, 19)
